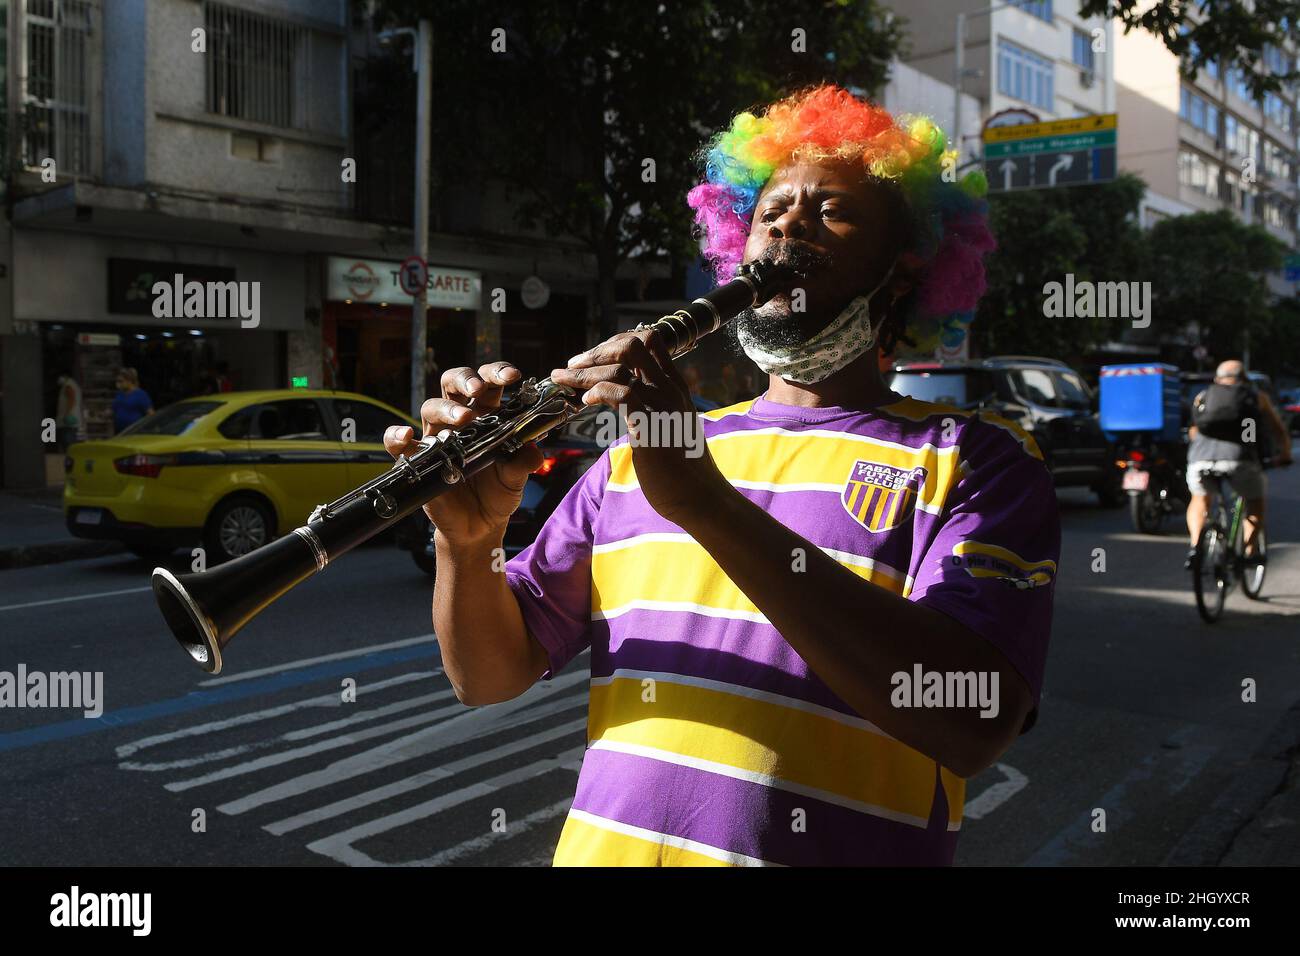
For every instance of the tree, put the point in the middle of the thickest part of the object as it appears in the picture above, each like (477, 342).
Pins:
(1043, 235)
(1209, 268)
(1232, 33)
(590, 112)
(1275, 347)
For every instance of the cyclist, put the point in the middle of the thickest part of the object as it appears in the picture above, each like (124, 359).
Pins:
(1225, 421)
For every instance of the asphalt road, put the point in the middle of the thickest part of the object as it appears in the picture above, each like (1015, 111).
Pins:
(1142, 718)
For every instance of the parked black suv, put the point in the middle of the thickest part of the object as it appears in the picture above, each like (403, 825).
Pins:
(1045, 397)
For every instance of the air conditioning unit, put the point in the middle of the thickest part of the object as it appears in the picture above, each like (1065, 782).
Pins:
(1087, 78)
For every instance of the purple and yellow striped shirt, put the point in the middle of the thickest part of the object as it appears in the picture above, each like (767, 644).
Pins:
(710, 741)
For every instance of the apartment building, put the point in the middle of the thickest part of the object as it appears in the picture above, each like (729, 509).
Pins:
(145, 139)
(1207, 143)
(1035, 55)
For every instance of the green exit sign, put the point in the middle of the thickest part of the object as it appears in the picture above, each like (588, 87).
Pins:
(300, 381)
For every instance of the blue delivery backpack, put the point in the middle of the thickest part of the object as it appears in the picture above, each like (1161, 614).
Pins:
(1144, 398)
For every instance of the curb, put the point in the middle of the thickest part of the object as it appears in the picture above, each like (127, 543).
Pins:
(32, 555)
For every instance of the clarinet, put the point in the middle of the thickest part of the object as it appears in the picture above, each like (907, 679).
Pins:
(206, 609)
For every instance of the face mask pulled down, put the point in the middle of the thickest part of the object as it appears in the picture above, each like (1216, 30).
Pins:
(831, 349)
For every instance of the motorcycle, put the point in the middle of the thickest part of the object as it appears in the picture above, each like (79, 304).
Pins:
(1155, 483)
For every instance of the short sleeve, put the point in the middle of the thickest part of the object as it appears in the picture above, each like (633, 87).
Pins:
(992, 564)
(551, 578)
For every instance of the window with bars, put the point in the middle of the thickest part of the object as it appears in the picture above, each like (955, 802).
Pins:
(57, 78)
(252, 65)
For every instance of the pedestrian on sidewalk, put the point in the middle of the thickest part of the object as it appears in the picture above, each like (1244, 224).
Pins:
(68, 414)
(131, 403)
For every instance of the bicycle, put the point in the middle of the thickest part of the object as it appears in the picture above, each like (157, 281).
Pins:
(1221, 560)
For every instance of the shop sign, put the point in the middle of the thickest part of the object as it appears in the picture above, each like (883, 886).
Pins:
(377, 281)
(131, 281)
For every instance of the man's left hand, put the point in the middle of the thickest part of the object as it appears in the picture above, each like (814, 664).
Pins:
(633, 372)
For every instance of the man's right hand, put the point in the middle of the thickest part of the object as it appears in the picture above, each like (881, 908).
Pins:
(479, 507)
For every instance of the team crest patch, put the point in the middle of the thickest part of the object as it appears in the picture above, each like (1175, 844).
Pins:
(881, 497)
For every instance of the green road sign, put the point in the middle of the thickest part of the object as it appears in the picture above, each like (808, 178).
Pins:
(1046, 155)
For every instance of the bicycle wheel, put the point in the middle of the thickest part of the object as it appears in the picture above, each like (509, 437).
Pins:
(1254, 567)
(1210, 572)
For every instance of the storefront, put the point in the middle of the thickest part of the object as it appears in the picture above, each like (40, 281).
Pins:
(366, 326)
(87, 306)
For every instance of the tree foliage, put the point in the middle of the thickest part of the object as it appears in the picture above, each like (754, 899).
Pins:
(1090, 232)
(1210, 268)
(1232, 33)
(592, 113)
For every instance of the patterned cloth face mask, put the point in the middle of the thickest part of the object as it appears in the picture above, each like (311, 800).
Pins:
(831, 349)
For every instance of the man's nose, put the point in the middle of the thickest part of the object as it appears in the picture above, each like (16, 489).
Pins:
(791, 224)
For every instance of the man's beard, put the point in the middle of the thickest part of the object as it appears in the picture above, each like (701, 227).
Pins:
(773, 326)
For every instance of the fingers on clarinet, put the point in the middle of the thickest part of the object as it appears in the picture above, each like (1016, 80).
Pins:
(400, 440)
(587, 377)
(500, 373)
(654, 341)
(462, 383)
(440, 413)
(613, 395)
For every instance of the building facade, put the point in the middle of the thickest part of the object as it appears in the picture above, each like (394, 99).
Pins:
(196, 141)
(1036, 55)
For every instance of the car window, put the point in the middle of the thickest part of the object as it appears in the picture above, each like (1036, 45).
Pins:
(296, 419)
(1072, 390)
(1035, 385)
(369, 421)
(173, 420)
(949, 388)
(963, 388)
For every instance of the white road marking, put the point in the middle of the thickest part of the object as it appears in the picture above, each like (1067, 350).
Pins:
(457, 730)
(339, 846)
(300, 753)
(399, 787)
(308, 661)
(996, 795)
(513, 829)
(78, 597)
(323, 700)
(304, 734)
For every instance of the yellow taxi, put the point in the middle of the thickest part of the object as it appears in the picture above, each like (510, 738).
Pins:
(230, 471)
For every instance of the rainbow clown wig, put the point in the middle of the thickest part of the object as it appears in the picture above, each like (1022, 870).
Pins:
(948, 233)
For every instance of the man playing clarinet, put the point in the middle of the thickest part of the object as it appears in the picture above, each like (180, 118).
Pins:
(805, 639)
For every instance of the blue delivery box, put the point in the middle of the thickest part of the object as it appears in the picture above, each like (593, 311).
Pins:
(1141, 398)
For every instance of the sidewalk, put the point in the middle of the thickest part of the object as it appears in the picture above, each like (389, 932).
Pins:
(32, 531)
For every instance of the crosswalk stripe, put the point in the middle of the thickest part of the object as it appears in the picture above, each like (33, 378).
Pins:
(340, 807)
(339, 846)
(212, 726)
(300, 753)
(514, 829)
(457, 730)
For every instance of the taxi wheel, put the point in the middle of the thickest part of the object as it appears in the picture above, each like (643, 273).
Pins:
(236, 527)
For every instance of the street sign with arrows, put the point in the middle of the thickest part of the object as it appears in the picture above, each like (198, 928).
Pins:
(1045, 155)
